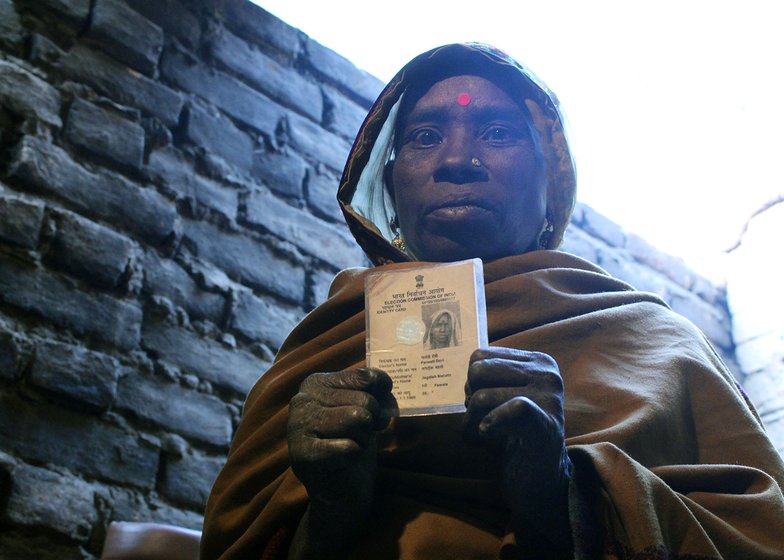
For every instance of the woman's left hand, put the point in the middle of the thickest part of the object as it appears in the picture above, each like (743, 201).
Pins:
(515, 405)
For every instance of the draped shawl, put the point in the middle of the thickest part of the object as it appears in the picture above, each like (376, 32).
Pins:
(670, 458)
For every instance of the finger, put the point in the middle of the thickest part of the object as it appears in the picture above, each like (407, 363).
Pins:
(482, 404)
(504, 352)
(330, 397)
(551, 404)
(307, 412)
(327, 454)
(344, 422)
(503, 372)
(374, 381)
(485, 400)
(524, 421)
(321, 410)
(483, 359)
(507, 422)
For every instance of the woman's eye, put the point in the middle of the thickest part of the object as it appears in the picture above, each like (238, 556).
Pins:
(425, 137)
(500, 134)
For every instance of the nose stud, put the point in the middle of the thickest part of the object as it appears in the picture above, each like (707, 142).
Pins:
(475, 162)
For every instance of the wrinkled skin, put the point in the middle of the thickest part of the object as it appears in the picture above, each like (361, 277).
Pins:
(514, 407)
(450, 209)
(332, 428)
(514, 403)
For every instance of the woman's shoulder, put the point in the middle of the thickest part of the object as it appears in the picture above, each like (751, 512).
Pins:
(345, 277)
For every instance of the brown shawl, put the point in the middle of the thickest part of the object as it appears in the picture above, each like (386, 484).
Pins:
(670, 459)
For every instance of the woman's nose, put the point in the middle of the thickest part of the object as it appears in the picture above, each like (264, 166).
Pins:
(456, 165)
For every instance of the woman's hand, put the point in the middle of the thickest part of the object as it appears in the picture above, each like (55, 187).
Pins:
(515, 405)
(332, 448)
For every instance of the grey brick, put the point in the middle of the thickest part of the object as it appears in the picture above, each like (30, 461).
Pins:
(126, 35)
(20, 221)
(128, 88)
(12, 356)
(161, 512)
(318, 238)
(282, 172)
(44, 51)
(672, 267)
(90, 250)
(579, 243)
(247, 260)
(173, 17)
(126, 504)
(262, 318)
(40, 497)
(105, 134)
(20, 544)
(715, 322)
(33, 290)
(209, 129)
(129, 505)
(167, 278)
(73, 11)
(605, 229)
(102, 195)
(178, 175)
(189, 479)
(322, 198)
(229, 94)
(75, 372)
(611, 261)
(708, 291)
(236, 370)
(343, 116)
(333, 67)
(196, 415)
(282, 84)
(317, 144)
(48, 434)
(26, 94)
(11, 30)
(640, 277)
(320, 281)
(253, 22)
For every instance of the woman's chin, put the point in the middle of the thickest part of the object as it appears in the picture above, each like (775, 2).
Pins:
(449, 249)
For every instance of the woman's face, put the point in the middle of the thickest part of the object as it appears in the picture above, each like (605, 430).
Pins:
(448, 207)
(441, 331)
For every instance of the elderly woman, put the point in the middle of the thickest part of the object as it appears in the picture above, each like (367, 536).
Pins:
(599, 424)
(443, 331)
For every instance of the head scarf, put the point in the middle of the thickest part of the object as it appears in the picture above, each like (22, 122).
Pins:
(362, 195)
(454, 329)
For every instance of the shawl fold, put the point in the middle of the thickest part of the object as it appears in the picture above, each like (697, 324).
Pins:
(671, 461)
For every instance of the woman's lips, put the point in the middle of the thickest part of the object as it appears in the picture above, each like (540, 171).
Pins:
(460, 209)
(460, 212)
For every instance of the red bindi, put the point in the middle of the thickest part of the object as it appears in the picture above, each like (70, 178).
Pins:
(463, 99)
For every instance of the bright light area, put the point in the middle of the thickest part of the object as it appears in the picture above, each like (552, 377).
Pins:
(676, 108)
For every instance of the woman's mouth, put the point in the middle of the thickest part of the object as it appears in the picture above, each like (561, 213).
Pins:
(461, 208)
(459, 212)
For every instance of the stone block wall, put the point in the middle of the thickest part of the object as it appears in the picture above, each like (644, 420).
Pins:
(167, 215)
(757, 306)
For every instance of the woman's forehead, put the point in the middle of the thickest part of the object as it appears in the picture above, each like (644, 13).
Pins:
(458, 95)
(465, 90)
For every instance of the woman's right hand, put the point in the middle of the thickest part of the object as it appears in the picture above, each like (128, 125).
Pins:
(332, 428)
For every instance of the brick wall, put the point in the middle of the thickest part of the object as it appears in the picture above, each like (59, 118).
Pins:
(167, 215)
(757, 306)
